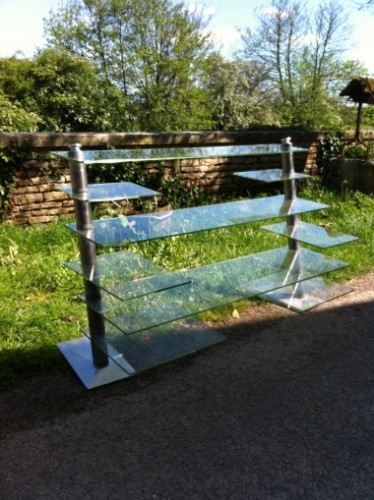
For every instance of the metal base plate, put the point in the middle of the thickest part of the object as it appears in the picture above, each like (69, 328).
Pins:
(78, 355)
(306, 295)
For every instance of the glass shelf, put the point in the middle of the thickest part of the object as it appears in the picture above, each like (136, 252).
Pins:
(306, 295)
(178, 153)
(113, 191)
(216, 285)
(318, 236)
(270, 175)
(160, 345)
(123, 230)
(127, 275)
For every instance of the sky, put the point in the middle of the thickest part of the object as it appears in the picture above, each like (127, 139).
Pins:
(21, 25)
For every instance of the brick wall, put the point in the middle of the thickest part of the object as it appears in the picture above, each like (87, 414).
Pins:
(36, 198)
(215, 176)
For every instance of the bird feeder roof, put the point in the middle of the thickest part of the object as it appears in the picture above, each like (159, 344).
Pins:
(360, 90)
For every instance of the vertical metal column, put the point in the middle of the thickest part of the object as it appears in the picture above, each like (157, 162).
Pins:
(289, 187)
(290, 194)
(87, 250)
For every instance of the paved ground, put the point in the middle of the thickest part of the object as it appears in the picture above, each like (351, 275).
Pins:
(284, 409)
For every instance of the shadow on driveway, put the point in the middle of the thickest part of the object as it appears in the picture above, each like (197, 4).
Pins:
(283, 409)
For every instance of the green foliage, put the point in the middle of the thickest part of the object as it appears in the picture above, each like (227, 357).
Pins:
(315, 109)
(129, 172)
(10, 160)
(357, 151)
(155, 53)
(70, 95)
(15, 79)
(242, 100)
(329, 147)
(173, 191)
(367, 119)
(304, 75)
(18, 112)
(56, 91)
(14, 118)
(181, 196)
(127, 65)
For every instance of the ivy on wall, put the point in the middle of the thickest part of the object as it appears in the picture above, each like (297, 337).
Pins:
(11, 158)
(330, 146)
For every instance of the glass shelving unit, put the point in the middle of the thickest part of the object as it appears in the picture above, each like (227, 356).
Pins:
(318, 236)
(141, 315)
(136, 228)
(177, 153)
(213, 285)
(113, 191)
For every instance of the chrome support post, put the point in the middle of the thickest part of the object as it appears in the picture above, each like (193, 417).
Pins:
(289, 187)
(87, 250)
(290, 194)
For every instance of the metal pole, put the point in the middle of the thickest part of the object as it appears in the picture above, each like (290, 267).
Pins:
(291, 220)
(289, 187)
(87, 250)
(358, 123)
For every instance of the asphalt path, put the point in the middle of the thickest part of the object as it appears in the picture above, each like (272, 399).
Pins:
(283, 409)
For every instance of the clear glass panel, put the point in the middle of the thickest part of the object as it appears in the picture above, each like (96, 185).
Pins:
(145, 286)
(124, 230)
(306, 295)
(113, 191)
(319, 236)
(162, 344)
(127, 275)
(270, 175)
(161, 154)
(215, 285)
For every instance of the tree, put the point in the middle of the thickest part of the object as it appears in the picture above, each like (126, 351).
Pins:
(243, 99)
(154, 52)
(70, 95)
(302, 53)
(365, 4)
(14, 118)
(17, 110)
(15, 81)
(57, 92)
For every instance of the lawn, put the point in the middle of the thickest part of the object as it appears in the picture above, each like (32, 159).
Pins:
(38, 294)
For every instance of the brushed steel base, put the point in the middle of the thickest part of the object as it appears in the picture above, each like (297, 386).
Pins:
(78, 354)
(306, 295)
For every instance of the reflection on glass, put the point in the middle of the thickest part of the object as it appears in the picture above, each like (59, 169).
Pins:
(270, 175)
(306, 295)
(127, 275)
(215, 285)
(179, 153)
(161, 344)
(122, 230)
(318, 236)
(113, 191)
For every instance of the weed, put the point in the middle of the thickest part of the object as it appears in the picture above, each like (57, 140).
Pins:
(181, 196)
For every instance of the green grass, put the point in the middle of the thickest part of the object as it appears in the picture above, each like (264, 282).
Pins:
(37, 293)
(353, 216)
(38, 308)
